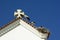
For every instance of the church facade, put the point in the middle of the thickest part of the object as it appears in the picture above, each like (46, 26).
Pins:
(21, 29)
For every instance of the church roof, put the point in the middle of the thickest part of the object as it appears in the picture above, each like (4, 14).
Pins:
(39, 29)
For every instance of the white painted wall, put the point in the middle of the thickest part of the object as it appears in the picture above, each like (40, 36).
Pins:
(20, 33)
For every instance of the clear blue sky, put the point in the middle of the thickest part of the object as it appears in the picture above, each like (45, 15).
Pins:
(43, 12)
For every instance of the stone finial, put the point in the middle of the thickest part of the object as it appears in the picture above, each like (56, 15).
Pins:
(18, 13)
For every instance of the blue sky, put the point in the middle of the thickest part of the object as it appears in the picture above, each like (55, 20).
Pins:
(43, 12)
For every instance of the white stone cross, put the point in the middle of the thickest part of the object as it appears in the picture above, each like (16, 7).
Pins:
(19, 11)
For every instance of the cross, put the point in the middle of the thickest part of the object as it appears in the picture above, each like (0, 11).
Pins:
(18, 13)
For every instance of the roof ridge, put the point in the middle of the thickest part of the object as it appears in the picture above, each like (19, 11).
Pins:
(9, 23)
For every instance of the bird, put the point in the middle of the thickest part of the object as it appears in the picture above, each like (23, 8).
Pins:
(27, 17)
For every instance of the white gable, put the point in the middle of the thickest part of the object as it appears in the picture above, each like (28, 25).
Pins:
(22, 30)
(20, 33)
